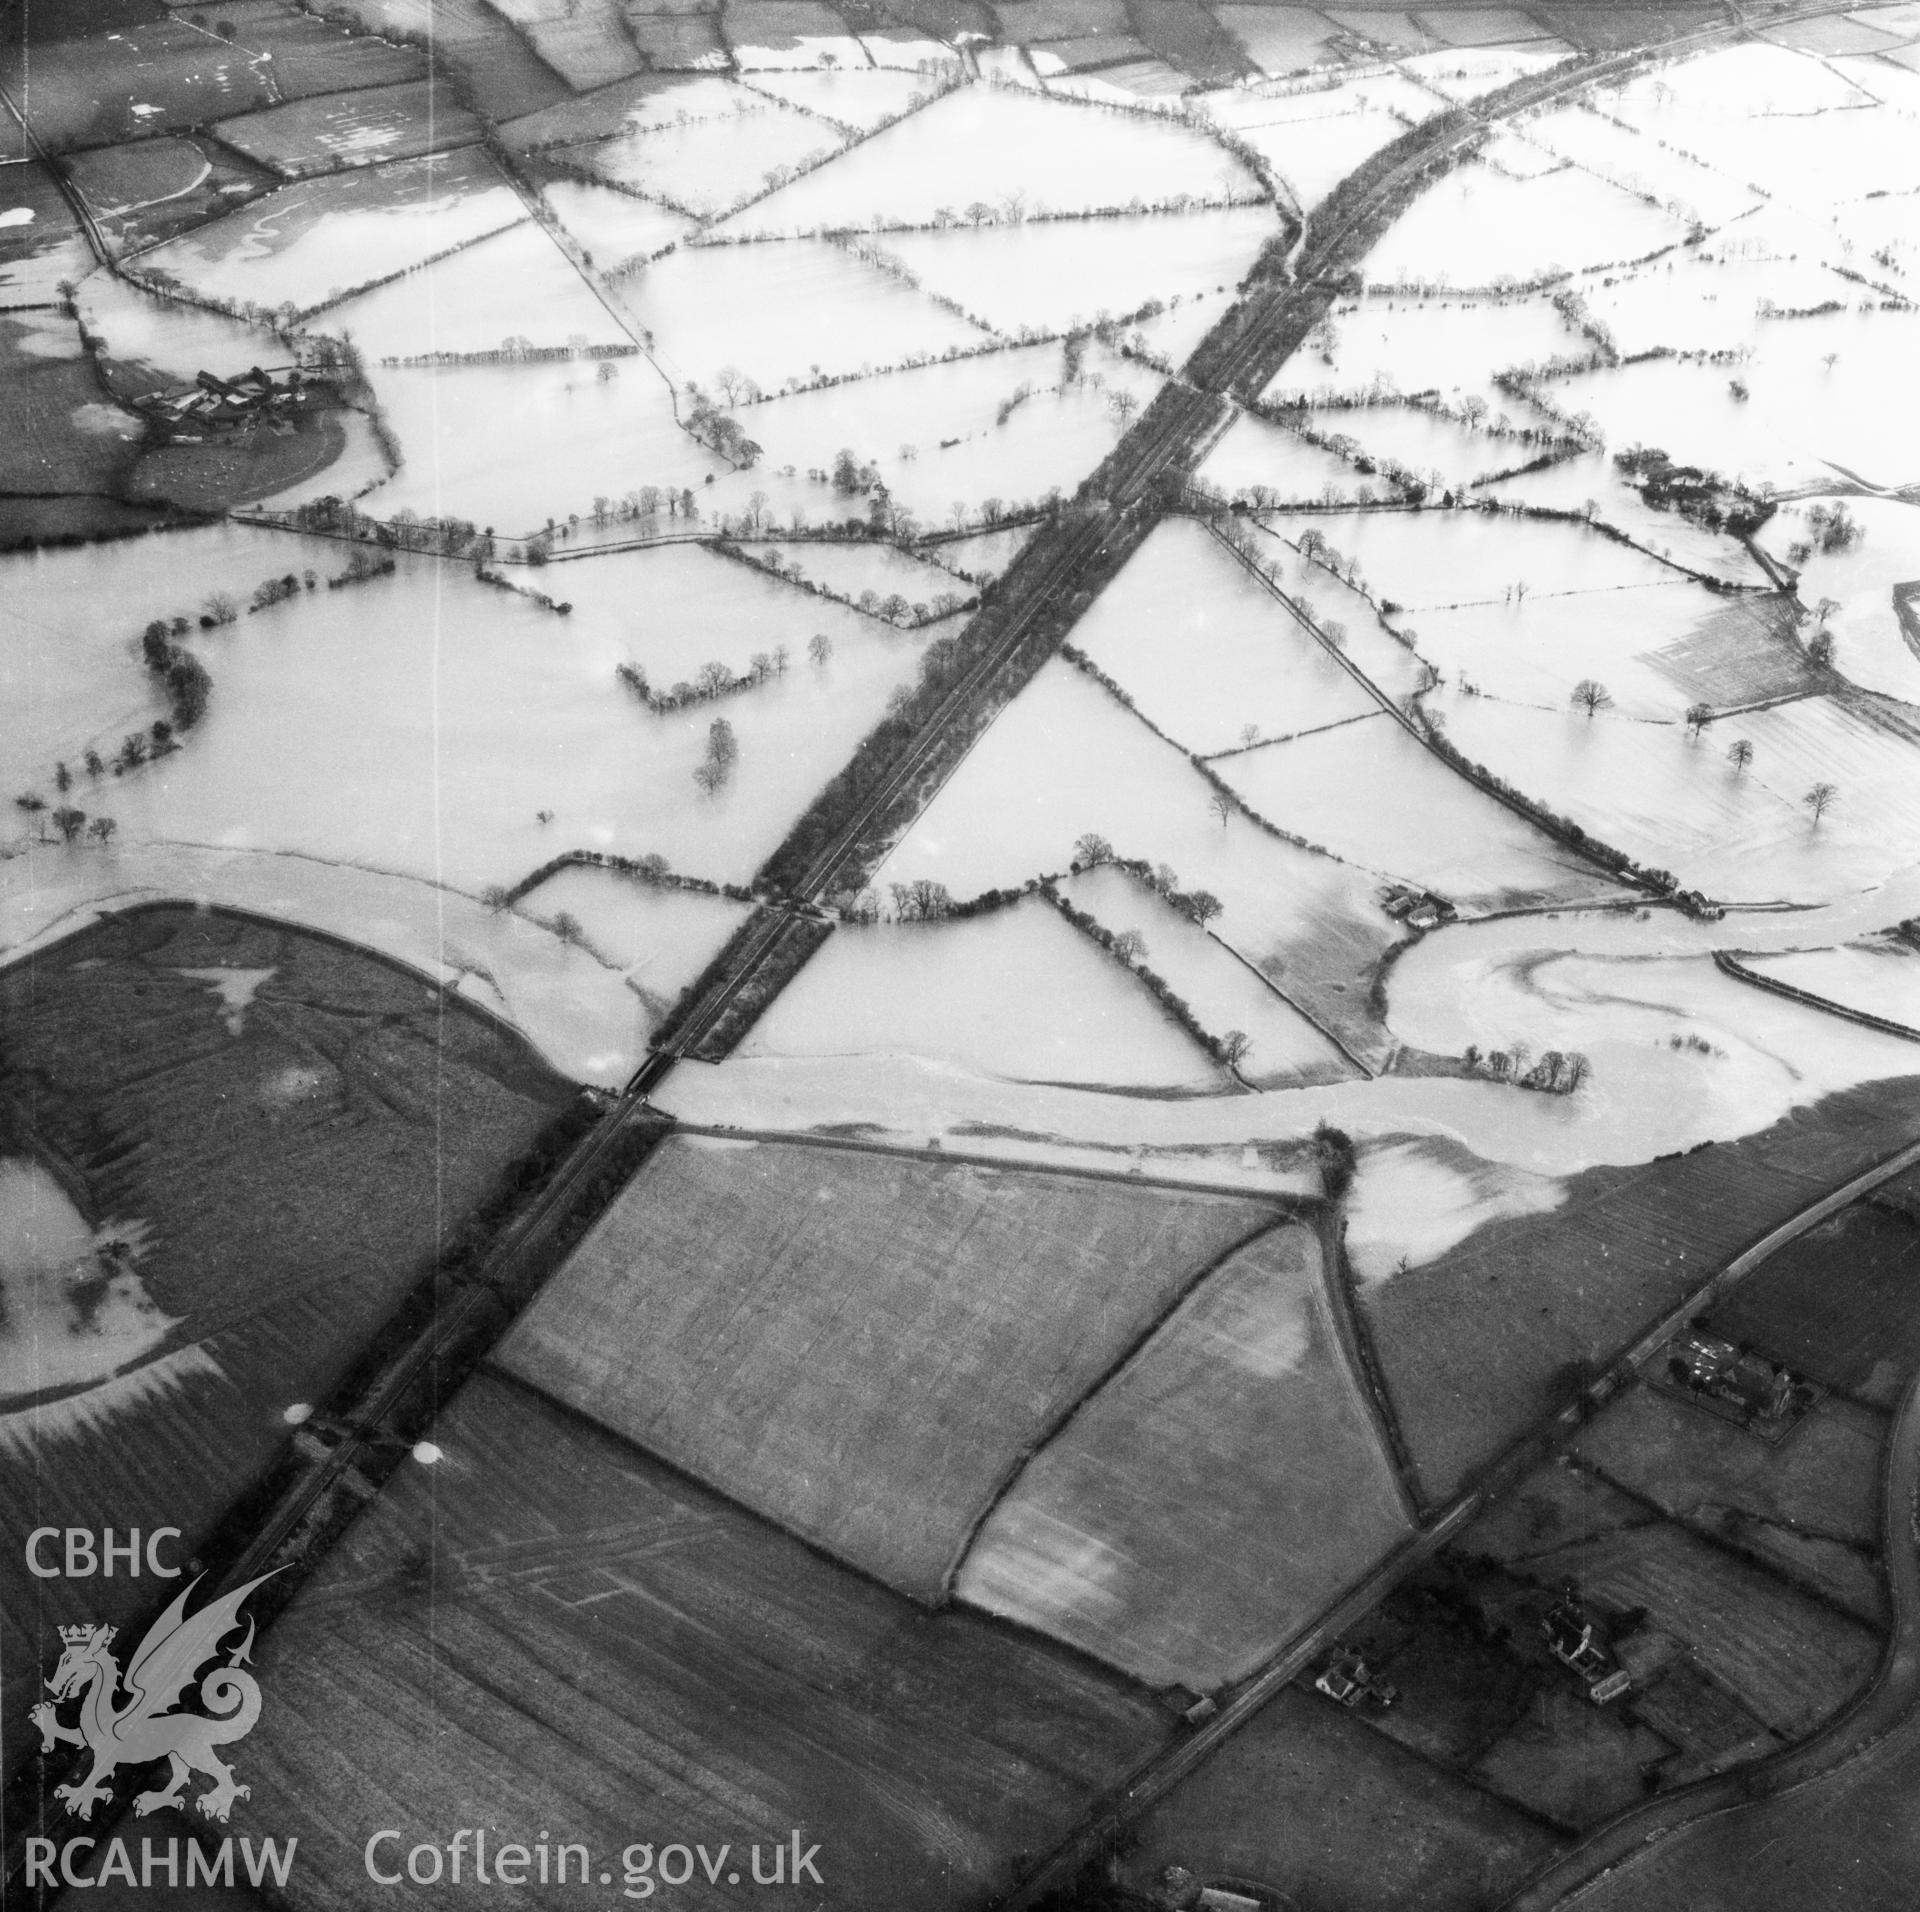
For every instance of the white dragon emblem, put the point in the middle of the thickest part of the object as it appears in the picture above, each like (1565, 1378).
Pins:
(143, 1728)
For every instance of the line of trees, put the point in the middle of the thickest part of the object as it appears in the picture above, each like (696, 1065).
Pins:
(712, 680)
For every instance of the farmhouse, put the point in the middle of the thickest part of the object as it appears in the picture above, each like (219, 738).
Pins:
(1574, 1640)
(1714, 1367)
(216, 406)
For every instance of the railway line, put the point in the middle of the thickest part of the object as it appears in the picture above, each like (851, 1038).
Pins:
(290, 1530)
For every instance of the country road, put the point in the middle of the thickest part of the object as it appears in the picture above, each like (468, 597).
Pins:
(1161, 1774)
(1649, 1834)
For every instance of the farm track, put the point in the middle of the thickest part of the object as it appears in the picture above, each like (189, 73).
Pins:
(293, 1532)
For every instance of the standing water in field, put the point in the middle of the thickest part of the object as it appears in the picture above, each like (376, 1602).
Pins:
(73, 1309)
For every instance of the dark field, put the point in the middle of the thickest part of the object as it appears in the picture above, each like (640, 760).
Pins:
(1309, 1800)
(224, 1159)
(154, 188)
(1608, 27)
(599, 116)
(472, 44)
(1485, 1341)
(1842, 1302)
(58, 430)
(352, 129)
(551, 1630)
(1186, 35)
(1481, 1694)
(311, 55)
(1789, 1659)
(31, 521)
(1741, 653)
(1809, 1506)
(84, 91)
(862, 1347)
(675, 42)
(1849, 1842)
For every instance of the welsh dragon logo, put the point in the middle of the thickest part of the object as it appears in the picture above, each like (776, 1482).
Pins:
(145, 1727)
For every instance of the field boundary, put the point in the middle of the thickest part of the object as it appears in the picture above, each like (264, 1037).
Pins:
(1729, 964)
(1293, 1206)
(1363, 1363)
(1031, 1451)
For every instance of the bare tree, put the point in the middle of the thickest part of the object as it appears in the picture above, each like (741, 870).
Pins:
(1739, 754)
(1234, 1046)
(819, 647)
(1820, 799)
(1130, 946)
(101, 830)
(1699, 716)
(1123, 405)
(69, 822)
(1591, 696)
(1091, 851)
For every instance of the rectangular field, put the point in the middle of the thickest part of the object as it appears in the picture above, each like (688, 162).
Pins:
(352, 129)
(1207, 654)
(1808, 1505)
(1376, 796)
(1212, 1496)
(1018, 995)
(554, 1631)
(859, 1347)
(1841, 1303)
(1280, 1801)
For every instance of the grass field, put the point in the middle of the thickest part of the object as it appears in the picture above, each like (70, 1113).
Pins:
(1531, 1298)
(1790, 1659)
(144, 193)
(1809, 1506)
(479, 46)
(871, 1343)
(1212, 1497)
(1840, 1303)
(205, 1086)
(553, 1631)
(352, 129)
(587, 46)
(1848, 1842)
(1282, 1800)
(58, 430)
(153, 77)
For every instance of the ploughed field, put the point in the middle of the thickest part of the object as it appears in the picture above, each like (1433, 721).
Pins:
(862, 1347)
(553, 1632)
(184, 1095)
